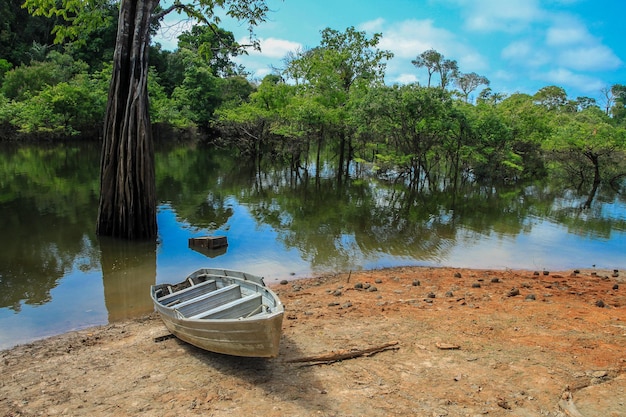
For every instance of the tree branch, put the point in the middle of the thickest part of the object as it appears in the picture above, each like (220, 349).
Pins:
(342, 355)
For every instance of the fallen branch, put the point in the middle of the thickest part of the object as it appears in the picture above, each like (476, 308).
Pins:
(447, 346)
(343, 355)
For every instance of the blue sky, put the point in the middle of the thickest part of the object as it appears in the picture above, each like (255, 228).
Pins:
(519, 45)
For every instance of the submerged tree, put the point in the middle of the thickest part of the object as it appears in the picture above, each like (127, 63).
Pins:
(127, 207)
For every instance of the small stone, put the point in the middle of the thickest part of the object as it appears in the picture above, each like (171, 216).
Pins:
(333, 304)
(449, 294)
(513, 292)
(577, 271)
(337, 293)
(372, 289)
(599, 374)
(600, 304)
(495, 280)
(546, 272)
(366, 285)
(284, 282)
(615, 274)
(531, 297)
(457, 275)
(536, 273)
(616, 287)
(358, 285)
(346, 305)
(431, 295)
(476, 285)
(379, 281)
(416, 283)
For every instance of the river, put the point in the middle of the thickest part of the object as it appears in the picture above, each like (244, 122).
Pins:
(56, 275)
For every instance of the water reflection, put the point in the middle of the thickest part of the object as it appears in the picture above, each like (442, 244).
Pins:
(55, 275)
(128, 269)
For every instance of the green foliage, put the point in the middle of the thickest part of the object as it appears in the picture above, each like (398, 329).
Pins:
(169, 67)
(164, 109)
(4, 67)
(333, 94)
(214, 45)
(63, 109)
(84, 17)
(200, 90)
(618, 111)
(27, 80)
(434, 62)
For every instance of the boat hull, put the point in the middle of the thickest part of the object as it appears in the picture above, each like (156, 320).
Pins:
(255, 336)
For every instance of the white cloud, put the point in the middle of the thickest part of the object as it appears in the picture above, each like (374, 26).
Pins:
(274, 48)
(567, 35)
(566, 78)
(593, 58)
(373, 25)
(498, 15)
(404, 78)
(576, 48)
(526, 53)
(410, 38)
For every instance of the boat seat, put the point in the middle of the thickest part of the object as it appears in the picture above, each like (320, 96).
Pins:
(235, 309)
(188, 293)
(209, 301)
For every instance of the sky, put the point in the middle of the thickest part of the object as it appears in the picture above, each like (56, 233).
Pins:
(519, 45)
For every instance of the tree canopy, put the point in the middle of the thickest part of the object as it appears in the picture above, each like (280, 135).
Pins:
(329, 98)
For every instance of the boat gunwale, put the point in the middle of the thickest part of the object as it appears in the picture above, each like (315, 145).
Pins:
(172, 313)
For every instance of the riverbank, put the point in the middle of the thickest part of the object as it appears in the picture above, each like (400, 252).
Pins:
(469, 343)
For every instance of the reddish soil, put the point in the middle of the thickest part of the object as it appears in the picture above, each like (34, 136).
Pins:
(469, 343)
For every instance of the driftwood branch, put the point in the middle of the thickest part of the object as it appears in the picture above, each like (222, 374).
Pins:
(343, 355)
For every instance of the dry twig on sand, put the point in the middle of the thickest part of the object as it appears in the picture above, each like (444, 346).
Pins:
(343, 355)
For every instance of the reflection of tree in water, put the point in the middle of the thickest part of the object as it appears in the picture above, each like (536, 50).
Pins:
(336, 227)
(184, 175)
(128, 270)
(31, 266)
(45, 210)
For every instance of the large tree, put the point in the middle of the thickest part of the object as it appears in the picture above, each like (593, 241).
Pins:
(434, 62)
(469, 82)
(343, 63)
(127, 206)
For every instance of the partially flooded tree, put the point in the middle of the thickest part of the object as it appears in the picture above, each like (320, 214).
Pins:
(127, 207)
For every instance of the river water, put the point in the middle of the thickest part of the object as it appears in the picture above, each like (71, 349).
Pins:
(57, 276)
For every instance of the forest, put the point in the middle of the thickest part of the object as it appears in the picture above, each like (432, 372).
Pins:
(328, 100)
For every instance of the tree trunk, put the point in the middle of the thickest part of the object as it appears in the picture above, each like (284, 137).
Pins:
(127, 207)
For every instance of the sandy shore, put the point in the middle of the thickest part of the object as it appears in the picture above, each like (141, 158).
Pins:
(469, 343)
